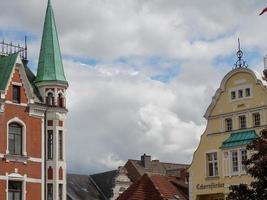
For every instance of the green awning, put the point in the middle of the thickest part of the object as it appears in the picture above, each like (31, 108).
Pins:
(239, 139)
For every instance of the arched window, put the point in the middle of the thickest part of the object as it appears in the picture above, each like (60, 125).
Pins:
(61, 102)
(15, 139)
(50, 99)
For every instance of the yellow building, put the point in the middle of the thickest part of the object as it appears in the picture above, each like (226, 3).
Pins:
(236, 115)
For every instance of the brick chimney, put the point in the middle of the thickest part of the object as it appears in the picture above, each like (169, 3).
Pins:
(146, 161)
(265, 67)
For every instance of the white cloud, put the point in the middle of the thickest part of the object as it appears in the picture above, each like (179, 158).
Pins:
(116, 111)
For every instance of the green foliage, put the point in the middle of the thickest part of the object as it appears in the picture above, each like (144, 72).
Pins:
(257, 168)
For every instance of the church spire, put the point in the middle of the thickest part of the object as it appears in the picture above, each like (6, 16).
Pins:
(50, 67)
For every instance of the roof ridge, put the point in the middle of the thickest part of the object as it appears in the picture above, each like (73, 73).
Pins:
(156, 187)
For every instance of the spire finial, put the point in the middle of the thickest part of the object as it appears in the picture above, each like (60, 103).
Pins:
(240, 63)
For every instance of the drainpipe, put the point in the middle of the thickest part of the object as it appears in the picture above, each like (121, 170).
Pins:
(45, 153)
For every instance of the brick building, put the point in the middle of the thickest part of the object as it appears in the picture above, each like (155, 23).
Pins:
(137, 168)
(32, 114)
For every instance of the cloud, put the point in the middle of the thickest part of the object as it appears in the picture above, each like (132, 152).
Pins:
(116, 115)
(141, 72)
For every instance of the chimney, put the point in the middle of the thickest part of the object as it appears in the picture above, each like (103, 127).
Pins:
(146, 161)
(265, 67)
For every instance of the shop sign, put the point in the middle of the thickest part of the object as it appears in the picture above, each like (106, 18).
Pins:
(209, 186)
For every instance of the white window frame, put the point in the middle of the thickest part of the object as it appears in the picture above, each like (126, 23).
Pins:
(24, 135)
(226, 125)
(253, 119)
(207, 162)
(237, 89)
(240, 123)
(239, 162)
(16, 177)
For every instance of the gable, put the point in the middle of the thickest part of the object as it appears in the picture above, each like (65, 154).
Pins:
(14, 74)
(238, 81)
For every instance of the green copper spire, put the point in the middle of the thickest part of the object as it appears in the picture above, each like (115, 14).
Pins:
(50, 67)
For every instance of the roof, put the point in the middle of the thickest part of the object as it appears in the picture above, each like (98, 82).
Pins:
(155, 167)
(81, 187)
(50, 67)
(156, 187)
(105, 181)
(239, 139)
(6, 66)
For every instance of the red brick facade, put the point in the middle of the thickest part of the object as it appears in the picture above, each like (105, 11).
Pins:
(31, 169)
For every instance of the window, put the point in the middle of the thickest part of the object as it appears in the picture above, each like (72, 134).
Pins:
(247, 92)
(15, 139)
(50, 99)
(50, 145)
(60, 145)
(237, 164)
(16, 94)
(234, 161)
(212, 164)
(240, 93)
(49, 191)
(228, 124)
(60, 191)
(256, 119)
(242, 122)
(14, 190)
(233, 96)
(61, 101)
(243, 159)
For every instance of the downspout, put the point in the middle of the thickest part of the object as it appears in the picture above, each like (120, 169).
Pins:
(45, 153)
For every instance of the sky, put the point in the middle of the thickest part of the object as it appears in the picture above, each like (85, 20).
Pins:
(141, 72)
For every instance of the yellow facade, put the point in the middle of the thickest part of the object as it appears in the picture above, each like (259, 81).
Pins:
(214, 168)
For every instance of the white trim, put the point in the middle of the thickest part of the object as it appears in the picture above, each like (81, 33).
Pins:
(33, 180)
(17, 104)
(24, 135)
(236, 90)
(16, 177)
(206, 161)
(21, 178)
(38, 160)
(16, 83)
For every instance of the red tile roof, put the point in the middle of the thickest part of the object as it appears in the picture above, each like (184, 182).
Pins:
(155, 187)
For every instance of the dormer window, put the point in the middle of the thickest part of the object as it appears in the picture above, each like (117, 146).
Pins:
(50, 99)
(16, 94)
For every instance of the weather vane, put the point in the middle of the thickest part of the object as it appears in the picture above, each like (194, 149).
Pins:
(240, 63)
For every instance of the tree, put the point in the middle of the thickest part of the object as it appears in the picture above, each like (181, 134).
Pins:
(257, 168)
